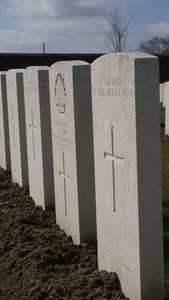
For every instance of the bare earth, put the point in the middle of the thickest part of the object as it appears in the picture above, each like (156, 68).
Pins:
(38, 261)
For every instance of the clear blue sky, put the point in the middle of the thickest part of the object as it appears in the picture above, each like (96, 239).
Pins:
(76, 25)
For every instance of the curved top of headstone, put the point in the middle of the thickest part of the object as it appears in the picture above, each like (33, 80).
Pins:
(127, 55)
(70, 62)
(37, 68)
(15, 70)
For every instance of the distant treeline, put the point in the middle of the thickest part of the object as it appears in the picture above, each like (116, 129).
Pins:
(23, 60)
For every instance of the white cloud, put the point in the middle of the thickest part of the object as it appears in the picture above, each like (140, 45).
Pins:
(59, 9)
(56, 22)
(79, 36)
(12, 38)
(159, 29)
(75, 25)
(31, 8)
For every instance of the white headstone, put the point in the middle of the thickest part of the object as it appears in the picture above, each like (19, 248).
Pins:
(39, 142)
(165, 92)
(17, 126)
(161, 93)
(167, 113)
(5, 158)
(71, 114)
(125, 90)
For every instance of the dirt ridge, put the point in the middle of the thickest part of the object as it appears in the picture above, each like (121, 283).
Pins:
(38, 261)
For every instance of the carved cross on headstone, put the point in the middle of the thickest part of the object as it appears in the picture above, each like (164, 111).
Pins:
(13, 125)
(33, 128)
(114, 158)
(65, 177)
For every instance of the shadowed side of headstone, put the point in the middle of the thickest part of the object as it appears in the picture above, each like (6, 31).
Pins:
(5, 156)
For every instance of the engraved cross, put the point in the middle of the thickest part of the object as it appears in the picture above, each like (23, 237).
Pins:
(33, 128)
(13, 125)
(114, 158)
(65, 177)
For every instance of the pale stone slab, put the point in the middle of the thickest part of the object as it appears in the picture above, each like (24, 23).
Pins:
(166, 104)
(165, 92)
(39, 142)
(161, 93)
(125, 90)
(167, 116)
(17, 126)
(71, 114)
(5, 157)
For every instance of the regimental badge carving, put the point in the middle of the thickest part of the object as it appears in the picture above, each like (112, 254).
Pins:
(60, 93)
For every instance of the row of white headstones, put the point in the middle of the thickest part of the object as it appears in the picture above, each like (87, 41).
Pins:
(86, 140)
(164, 100)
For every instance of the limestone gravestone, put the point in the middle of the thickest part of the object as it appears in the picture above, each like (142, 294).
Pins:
(125, 90)
(167, 116)
(39, 142)
(165, 93)
(17, 126)
(71, 114)
(5, 158)
(161, 92)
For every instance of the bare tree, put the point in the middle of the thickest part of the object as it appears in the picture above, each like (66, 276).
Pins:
(116, 35)
(156, 45)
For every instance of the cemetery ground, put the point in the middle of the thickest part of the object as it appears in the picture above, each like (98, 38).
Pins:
(38, 261)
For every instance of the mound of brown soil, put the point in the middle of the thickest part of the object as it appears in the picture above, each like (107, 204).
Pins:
(38, 261)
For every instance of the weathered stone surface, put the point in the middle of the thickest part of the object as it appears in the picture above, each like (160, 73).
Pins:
(17, 126)
(125, 90)
(39, 142)
(71, 115)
